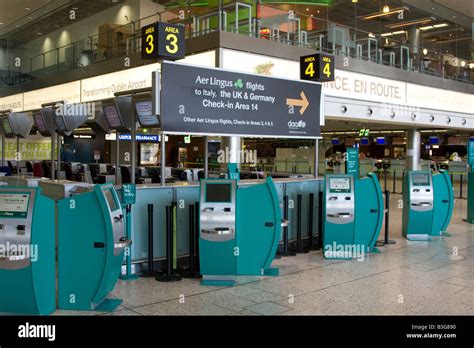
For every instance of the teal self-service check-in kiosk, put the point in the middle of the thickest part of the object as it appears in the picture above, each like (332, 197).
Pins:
(470, 181)
(91, 242)
(240, 228)
(353, 214)
(27, 252)
(428, 202)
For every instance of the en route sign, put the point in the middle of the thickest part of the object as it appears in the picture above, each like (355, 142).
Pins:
(163, 40)
(207, 101)
(352, 161)
(317, 67)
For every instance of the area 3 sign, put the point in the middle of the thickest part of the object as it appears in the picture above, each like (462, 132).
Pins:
(163, 40)
(211, 101)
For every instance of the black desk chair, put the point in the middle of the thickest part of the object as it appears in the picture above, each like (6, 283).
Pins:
(68, 171)
(29, 167)
(126, 176)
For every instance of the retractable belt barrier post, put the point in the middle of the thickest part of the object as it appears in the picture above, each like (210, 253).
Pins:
(191, 271)
(299, 246)
(168, 275)
(286, 252)
(150, 272)
(310, 221)
(387, 222)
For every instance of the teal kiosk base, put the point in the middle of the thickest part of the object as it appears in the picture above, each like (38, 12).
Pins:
(27, 260)
(91, 229)
(353, 212)
(428, 202)
(240, 228)
(470, 182)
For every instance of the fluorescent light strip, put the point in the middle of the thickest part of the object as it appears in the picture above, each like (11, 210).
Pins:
(436, 26)
(409, 23)
(382, 14)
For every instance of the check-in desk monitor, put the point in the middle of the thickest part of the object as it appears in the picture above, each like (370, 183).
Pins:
(40, 124)
(218, 210)
(27, 257)
(340, 200)
(7, 128)
(421, 191)
(144, 110)
(118, 113)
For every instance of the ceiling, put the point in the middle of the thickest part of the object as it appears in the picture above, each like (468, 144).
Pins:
(10, 14)
(464, 7)
(48, 16)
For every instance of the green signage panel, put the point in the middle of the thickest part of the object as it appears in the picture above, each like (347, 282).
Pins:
(129, 193)
(352, 161)
(470, 151)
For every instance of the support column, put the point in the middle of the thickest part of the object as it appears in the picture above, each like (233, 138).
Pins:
(413, 150)
(206, 157)
(231, 147)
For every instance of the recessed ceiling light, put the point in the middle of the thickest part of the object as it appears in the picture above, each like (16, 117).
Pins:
(27, 8)
(40, 33)
(1, 23)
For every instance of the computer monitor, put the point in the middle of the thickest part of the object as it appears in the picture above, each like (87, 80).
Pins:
(7, 128)
(145, 115)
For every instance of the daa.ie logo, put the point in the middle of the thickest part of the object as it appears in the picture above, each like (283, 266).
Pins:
(296, 125)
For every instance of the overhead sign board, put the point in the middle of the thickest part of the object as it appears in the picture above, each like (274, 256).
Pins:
(219, 102)
(163, 40)
(352, 161)
(317, 67)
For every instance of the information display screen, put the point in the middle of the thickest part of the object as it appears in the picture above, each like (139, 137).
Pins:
(364, 141)
(7, 128)
(14, 205)
(39, 123)
(434, 140)
(335, 141)
(109, 196)
(342, 185)
(112, 116)
(381, 141)
(61, 124)
(145, 113)
(420, 179)
(218, 193)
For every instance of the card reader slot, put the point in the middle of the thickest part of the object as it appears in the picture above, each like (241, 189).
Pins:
(422, 204)
(218, 230)
(340, 216)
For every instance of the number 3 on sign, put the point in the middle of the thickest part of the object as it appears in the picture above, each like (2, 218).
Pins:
(310, 70)
(172, 48)
(151, 46)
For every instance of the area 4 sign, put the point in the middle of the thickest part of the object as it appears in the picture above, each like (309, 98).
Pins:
(317, 67)
(163, 40)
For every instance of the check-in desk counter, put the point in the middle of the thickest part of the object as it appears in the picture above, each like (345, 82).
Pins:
(366, 166)
(24, 181)
(187, 193)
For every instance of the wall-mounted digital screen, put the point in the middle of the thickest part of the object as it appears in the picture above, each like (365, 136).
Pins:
(339, 185)
(112, 116)
(335, 141)
(7, 128)
(14, 205)
(109, 196)
(434, 140)
(145, 113)
(420, 179)
(381, 141)
(364, 141)
(218, 193)
(39, 123)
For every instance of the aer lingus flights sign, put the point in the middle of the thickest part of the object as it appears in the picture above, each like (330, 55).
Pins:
(217, 102)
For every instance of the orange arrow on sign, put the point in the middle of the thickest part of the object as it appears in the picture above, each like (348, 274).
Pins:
(303, 102)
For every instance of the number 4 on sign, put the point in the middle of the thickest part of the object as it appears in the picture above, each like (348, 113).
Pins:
(310, 70)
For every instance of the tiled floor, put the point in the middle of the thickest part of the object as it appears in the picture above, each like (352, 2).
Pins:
(435, 277)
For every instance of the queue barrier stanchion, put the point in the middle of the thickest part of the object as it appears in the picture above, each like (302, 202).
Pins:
(385, 179)
(386, 240)
(191, 271)
(196, 238)
(394, 181)
(286, 252)
(299, 242)
(168, 275)
(150, 272)
(320, 221)
(460, 186)
(310, 221)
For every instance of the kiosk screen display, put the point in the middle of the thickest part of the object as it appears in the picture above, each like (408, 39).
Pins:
(7, 128)
(14, 205)
(112, 116)
(218, 193)
(145, 113)
(39, 123)
(342, 185)
(109, 196)
(420, 179)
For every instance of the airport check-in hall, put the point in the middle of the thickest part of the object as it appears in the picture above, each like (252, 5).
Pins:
(246, 158)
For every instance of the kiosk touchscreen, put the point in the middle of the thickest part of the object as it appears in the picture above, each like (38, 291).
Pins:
(418, 205)
(27, 255)
(7, 128)
(230, 221)
(97, 238)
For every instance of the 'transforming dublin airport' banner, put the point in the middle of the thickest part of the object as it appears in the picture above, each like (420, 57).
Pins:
(207, 101)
